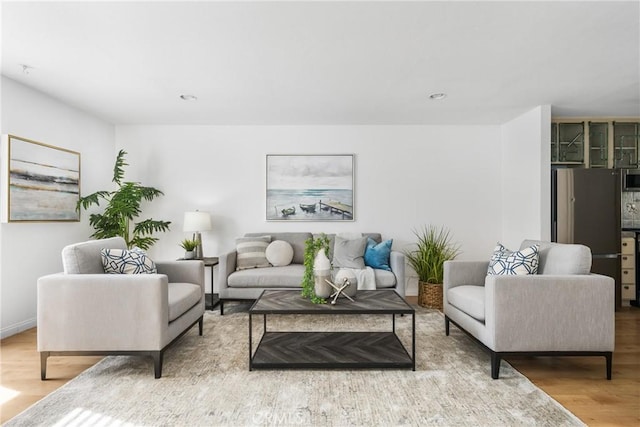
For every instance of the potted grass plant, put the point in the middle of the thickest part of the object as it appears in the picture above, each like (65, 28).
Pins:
(433, 247)
(188, 246)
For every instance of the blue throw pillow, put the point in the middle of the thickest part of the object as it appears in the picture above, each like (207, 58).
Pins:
(376, 255)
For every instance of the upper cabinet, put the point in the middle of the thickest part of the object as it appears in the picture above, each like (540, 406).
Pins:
(596, 143)
(625, 144)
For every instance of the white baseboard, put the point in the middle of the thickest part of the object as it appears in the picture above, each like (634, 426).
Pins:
(17, 328)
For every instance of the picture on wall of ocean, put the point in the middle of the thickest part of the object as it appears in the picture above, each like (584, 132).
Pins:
(310, 187)
(43, 182)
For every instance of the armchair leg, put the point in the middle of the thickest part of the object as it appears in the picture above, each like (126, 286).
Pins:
(200, 325)
(495, 365)
(157, 363)
(609, 357)
(446, 325)
(44, 355)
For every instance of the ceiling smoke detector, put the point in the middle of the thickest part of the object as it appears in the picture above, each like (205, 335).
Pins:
(188, 97)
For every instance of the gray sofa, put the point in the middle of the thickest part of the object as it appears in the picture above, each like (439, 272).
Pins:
(249, 284)
(564, 310)
(84, 311)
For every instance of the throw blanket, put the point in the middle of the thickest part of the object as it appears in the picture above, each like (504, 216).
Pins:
(366, 278)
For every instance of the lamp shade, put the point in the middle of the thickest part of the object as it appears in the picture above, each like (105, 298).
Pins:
(197, 221)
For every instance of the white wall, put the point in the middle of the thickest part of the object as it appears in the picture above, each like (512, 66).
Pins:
(406, 176)
(30, 250)
(526, 177)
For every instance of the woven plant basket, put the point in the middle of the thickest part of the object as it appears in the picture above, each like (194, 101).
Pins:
(430, 295)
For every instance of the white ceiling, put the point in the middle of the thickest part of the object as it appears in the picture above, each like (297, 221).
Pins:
(300, 63)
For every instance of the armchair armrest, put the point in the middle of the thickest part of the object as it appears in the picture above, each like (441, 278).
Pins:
(183, 271)
(397, 264)
(551, 312)
(96, 312)
(226, 266)
(457, 273)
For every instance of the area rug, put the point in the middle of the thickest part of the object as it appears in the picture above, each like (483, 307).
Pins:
(206, 382)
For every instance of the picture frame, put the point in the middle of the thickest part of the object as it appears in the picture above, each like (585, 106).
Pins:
(310, 187)
(42, 182)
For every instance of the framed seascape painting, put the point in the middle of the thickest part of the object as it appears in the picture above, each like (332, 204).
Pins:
(43, 182)
(310, 187)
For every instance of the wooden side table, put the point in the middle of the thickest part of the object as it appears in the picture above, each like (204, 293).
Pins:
(211, 300)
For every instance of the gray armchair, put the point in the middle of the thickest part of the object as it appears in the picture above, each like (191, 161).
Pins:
(564, 310)
(84, 311)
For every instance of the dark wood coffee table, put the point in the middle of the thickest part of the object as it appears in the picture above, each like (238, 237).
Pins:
(331, 350)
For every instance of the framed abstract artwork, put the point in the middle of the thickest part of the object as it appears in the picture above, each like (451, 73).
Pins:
(304, 187)
(43, 181)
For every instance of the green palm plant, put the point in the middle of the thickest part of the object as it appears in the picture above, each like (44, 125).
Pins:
(123, 206)
(433, 248)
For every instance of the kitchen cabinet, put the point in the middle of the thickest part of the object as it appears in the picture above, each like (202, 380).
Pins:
(598, 145)
(625, 144)
(628, 270)
(567, 143)
(596, 142)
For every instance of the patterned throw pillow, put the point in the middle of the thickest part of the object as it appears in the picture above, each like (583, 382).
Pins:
(252, 252)
(122, 261)
(505, 262)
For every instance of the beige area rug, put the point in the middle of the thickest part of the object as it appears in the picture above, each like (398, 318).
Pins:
(206, 382)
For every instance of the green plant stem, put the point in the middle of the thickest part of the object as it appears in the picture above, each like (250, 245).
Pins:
(311, 248)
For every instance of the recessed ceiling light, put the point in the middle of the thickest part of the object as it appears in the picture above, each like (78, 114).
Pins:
(437, 96)
(26, 69)
(188, 97)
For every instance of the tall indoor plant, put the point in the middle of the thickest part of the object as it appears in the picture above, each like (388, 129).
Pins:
(123, 206)
(433, 247)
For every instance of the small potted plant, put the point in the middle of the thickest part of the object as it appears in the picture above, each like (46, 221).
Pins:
(188, 246)
(433, 248)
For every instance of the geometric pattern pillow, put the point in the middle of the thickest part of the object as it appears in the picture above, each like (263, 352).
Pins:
(122, 261)
(505, 262)
(252, 252)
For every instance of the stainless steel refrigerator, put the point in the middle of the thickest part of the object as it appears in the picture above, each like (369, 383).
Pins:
(586, 209)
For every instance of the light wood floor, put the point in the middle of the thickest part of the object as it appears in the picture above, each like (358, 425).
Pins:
(578, 383)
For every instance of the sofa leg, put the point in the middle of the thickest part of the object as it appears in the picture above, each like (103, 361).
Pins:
(495, 365)
(221, 307)
(200, 325)
(157, 363)
(609, 357)
(446, 325)
(43, 364)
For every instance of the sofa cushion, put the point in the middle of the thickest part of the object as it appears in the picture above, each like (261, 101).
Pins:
(182, 296)
(84, 258)
(252, 252)
(562, 258)
(349, 253)
(505, 262)
(468, 299)
(279, 253)
(294, 238)
(384, 278)
(376, 237)
(123, 261)
(289, 276)
(376, 255)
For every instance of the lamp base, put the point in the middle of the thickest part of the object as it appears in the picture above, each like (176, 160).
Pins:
(198, 250)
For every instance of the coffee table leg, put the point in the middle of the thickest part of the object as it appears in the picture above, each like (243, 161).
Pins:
(250, 341)
(413, 340)
(393, 327)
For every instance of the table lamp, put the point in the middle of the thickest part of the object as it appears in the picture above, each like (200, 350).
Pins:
(197, 222)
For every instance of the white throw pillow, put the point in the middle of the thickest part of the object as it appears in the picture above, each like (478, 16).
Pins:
(279, 253)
